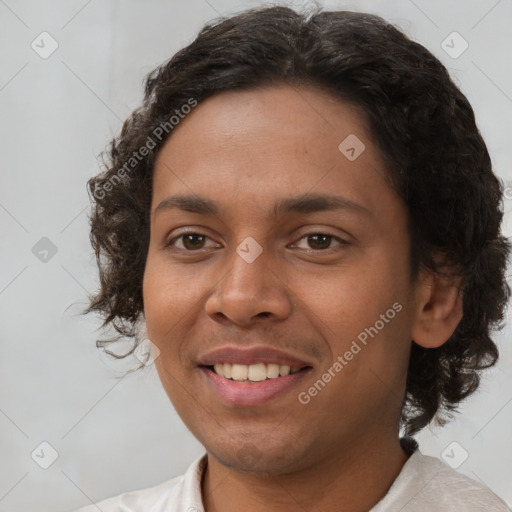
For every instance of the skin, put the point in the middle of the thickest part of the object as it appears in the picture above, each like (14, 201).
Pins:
(305, 295)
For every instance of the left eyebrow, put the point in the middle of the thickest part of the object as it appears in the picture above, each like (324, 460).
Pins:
(305, 203)
(311, 203)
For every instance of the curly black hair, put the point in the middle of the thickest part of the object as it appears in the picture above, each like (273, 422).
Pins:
(419, 119)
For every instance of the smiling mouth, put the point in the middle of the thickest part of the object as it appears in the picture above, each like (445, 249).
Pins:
(254, 372)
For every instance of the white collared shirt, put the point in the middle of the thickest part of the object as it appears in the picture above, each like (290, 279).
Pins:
(424, 484)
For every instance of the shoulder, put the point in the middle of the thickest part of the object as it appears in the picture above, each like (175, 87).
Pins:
(458, 490)
(426, 483)
(163, 497)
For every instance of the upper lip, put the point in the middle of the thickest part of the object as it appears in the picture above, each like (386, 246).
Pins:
(249, 355)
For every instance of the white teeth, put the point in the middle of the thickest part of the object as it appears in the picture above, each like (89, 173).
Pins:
(272, 371)
(224, 370)
(257, 372)
(254, 372)
(284, 370)
(239, 371)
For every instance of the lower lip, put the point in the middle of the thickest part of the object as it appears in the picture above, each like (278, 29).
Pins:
(247, 394)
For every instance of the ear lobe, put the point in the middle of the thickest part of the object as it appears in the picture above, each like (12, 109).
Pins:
(439, 309)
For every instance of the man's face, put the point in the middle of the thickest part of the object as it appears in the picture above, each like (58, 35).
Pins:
(325, 282)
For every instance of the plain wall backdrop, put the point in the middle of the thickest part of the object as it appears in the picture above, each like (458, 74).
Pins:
(58, 112)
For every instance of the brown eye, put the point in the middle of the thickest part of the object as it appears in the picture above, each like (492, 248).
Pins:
(190, 241)
(320, 241)
(193, 241)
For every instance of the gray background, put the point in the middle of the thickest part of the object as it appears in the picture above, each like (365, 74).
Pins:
(115, 433)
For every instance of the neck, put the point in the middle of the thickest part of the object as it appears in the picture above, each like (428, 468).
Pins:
(353, 479)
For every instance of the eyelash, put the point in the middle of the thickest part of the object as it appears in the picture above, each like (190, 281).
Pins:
(329, 250)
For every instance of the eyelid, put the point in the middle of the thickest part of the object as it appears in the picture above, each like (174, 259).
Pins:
(189, 231)
(341, 241)
(322, 230)
(311, 232)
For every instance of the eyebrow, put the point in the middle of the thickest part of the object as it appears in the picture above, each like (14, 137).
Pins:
(305, 203)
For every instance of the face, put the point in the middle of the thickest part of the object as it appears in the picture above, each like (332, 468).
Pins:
(284, 261)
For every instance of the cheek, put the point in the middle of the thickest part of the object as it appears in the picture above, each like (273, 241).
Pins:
(173, 301)
(361, 310)
(348, 299)
(363, 316)
(170, 295)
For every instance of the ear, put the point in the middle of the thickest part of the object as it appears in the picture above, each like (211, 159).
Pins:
(438, 308)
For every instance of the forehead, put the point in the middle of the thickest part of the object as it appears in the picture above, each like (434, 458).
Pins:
(285, 115)
(253, 145)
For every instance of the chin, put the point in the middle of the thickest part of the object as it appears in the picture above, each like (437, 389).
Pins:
(255, 457)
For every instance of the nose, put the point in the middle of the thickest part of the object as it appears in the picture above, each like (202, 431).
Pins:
(249, 293)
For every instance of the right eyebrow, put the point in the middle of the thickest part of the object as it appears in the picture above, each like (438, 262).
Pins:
(305, 203)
